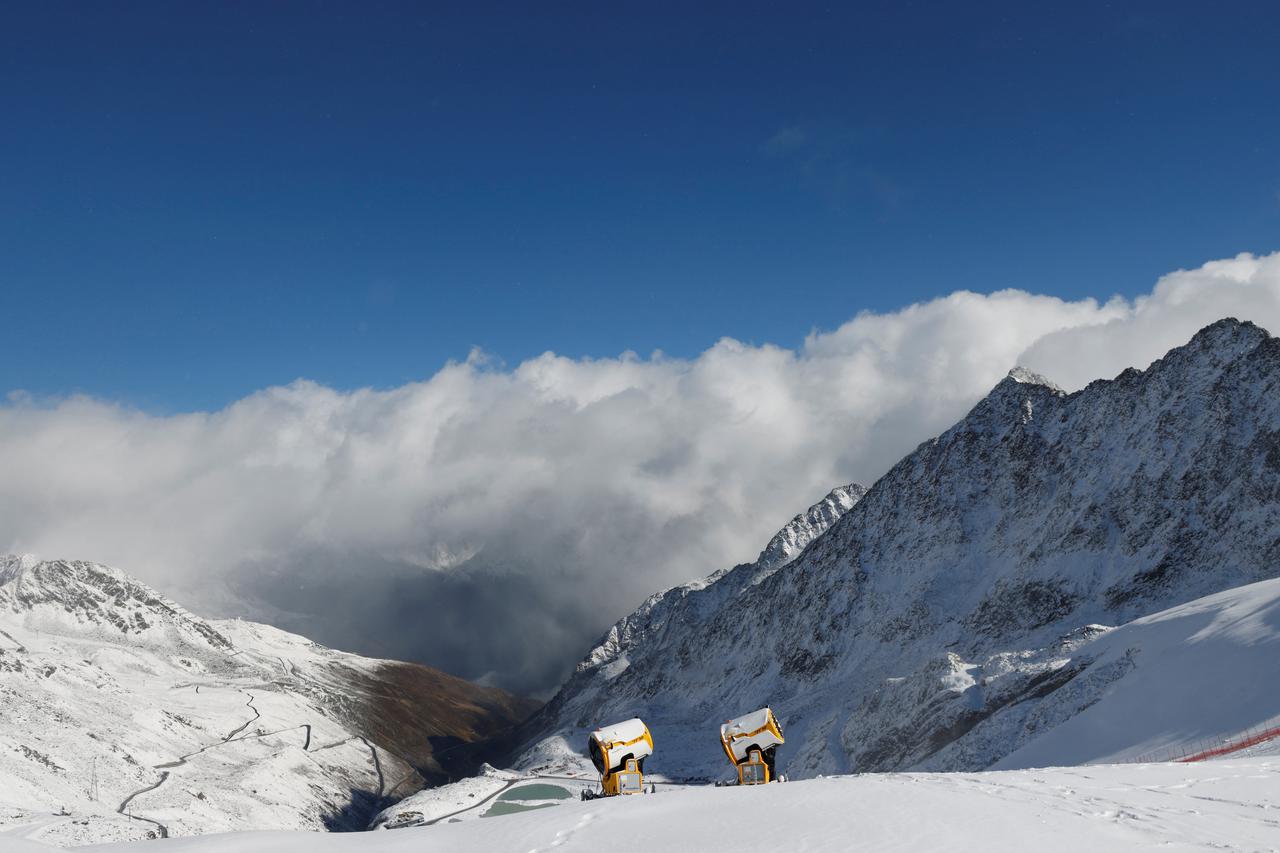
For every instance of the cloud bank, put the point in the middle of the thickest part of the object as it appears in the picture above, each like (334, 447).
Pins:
(494, 522)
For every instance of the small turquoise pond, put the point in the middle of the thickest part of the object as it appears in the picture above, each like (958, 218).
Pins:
(538, 791)
(500, 809)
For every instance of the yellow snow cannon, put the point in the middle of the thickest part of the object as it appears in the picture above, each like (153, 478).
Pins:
(751, 742)
(618, 752)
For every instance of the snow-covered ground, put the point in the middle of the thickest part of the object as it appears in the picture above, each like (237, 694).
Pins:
(1222, 805)
(1196, 675)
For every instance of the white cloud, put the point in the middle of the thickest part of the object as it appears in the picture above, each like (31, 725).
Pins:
(494, 522)
(1246, 286)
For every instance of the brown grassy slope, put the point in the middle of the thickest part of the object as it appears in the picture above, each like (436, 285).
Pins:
(436, 722)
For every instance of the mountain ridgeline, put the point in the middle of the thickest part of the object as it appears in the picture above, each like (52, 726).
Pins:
(942, 620)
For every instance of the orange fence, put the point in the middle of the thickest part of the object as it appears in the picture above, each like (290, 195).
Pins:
(1202, 750)
(1251, 738)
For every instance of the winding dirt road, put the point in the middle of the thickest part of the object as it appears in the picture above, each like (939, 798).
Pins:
(123, 808)
(167, 768)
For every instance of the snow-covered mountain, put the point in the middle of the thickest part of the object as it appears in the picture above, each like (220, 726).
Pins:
(952, 617)
(1183, 680)
(126, 716)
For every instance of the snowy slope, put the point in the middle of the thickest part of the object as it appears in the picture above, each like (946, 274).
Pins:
(937, 624)
(115, 699)
(1222, 805)
(1199, 672)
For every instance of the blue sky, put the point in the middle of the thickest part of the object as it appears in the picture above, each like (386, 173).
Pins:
(200, 200)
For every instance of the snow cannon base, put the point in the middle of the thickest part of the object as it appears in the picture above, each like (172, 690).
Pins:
(751, 743)
(618, 753)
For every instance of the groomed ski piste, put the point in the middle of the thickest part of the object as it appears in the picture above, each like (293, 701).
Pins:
(1204, 672)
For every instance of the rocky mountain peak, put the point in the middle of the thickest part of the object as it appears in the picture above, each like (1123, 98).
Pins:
(1228, 337)
(1023, 376)
(12, 565)
(92, 596)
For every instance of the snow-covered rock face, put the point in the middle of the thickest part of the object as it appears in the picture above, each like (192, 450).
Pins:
(116, 700)
(652, 617)
(954, 591)
(809, 525)
(94, 598)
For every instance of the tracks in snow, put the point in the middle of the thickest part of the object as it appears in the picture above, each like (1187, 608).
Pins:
(564, 835)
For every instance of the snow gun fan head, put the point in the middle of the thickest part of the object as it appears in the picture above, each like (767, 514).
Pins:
(618, 752)
(751, 743)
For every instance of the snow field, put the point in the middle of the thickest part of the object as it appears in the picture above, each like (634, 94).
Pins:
(1200, 674)
(1174, 807)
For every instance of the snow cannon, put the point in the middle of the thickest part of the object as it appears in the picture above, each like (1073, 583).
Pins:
(751, 742)
(618, 752)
